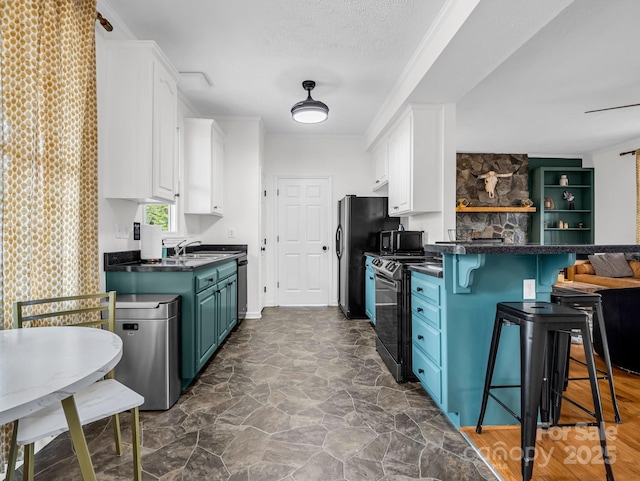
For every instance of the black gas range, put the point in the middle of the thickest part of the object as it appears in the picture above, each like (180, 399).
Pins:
(393, 311)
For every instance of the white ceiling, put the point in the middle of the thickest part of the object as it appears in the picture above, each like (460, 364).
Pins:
(522, 73)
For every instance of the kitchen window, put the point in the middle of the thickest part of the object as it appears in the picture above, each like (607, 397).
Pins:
(161, 214)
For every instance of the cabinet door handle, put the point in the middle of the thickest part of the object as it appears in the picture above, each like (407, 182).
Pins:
(210, 279)
(370, 277)
(420, 309)
(420, 337)
(420, 371)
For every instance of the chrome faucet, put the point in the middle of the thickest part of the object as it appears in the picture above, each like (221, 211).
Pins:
(181, 248)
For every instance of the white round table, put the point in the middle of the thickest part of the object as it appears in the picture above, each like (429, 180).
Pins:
(43, 365)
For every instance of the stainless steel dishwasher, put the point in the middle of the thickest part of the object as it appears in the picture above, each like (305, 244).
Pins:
(149, 326)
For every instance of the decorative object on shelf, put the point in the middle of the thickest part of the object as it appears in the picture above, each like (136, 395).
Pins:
(580, 225)
(560, 224)
(563, 180)
(568, 196)
(463, 202)
(309, 111)
(548, 203)
(526, 202)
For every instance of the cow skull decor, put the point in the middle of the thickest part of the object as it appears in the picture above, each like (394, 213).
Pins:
(490, 181)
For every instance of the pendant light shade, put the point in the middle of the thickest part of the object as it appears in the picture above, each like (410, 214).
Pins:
(309, 111)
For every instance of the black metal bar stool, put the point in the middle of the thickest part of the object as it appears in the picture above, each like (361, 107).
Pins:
(583, 300)
(539, 322)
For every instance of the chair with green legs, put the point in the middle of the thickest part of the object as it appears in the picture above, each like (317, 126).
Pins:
(103, 399)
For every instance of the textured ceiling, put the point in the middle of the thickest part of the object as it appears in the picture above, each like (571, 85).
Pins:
(521, 73)
(256, 53)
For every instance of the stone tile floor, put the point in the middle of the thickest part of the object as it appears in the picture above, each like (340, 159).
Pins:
(299, 395)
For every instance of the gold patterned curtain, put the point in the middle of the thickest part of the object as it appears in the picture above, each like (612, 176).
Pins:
(48, 146)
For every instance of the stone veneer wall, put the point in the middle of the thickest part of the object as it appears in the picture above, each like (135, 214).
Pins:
(509, 192)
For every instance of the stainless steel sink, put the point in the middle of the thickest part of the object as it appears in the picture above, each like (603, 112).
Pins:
(202, 255)
(185, 262)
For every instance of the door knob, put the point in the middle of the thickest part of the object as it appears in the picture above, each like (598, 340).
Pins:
(324, 248)
(263, 248)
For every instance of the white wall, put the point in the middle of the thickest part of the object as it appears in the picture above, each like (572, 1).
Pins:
(243, 159)
(342, 158)
(615, 194)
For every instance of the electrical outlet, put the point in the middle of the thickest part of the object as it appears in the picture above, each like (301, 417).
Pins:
(136, 231)
(232, 232)
(529, 289)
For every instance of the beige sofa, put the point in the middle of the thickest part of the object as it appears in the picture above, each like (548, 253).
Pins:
(583, 271)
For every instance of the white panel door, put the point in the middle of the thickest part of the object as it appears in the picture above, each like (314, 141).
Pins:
(303, 242)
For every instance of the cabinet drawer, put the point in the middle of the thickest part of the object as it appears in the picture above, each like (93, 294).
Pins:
(427, 338)
(430, 313)
(422, 287)
(429, 375)
(226, 269)
(206, 279)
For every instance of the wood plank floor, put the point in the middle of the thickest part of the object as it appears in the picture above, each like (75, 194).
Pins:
(569, 454)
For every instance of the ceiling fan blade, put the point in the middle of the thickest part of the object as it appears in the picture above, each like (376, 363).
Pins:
(613, 108)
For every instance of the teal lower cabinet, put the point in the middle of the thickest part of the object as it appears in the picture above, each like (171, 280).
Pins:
(426, 335)
(209, 306)
(452, 324)
(226, 294)
(369, 290)
(205, 324)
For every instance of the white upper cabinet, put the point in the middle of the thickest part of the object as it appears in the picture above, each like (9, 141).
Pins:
(138, 122)
(204, 167)
(415, 161)
(380, 157)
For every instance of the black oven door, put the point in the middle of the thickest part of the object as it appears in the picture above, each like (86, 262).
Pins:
(388, 313)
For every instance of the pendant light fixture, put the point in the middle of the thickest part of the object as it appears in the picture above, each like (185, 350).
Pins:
(309, 111)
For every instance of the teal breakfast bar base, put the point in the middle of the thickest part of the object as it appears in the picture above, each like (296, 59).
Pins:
(453, 317)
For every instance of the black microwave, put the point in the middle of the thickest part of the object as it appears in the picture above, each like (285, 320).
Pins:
(401, 241)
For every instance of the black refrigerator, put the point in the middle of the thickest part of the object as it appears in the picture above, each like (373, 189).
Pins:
(360, 220)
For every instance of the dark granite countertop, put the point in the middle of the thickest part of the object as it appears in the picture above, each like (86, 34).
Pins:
(399, 256)
(129, 261)
(480, 248)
